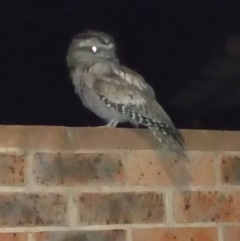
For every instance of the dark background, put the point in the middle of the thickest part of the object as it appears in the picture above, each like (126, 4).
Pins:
(188, 50)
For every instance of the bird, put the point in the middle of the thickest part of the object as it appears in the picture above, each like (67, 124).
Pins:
(115, 92)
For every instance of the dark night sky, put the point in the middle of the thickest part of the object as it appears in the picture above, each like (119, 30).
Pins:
(171, 43)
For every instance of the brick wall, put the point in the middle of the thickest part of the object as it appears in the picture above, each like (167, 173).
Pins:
(97, 184)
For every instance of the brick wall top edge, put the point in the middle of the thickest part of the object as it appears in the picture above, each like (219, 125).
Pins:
(73, 138)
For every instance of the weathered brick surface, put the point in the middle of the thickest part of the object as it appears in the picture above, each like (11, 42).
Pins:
(147, 168)
(111, 235)
(13, 236)
(121, 208)
(10, 136)
(137, 139)
(207, 206)
(110, 139)
(59, 138)
(231, 233)
(12, 169)
(33, 137)
(175, 234)
(230, 169)
(110, 177)
(206, 140)
(78, 169)
(17, 209)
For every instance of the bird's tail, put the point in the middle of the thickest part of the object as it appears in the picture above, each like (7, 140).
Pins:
(170, 138)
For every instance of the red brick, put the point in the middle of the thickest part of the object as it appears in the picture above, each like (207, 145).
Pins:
(137, 139)
(175, 234)
(110, 235)
(231, 233)
(206, 206)
(17, 209)
(33, 137)
(205, 140)
(12, 169)
(146, 168)
(100, 138)
(13, 236)
(120, 208)
(78, 169)
(10, 136)
(44, 137)
(230, 169)
(60, 138)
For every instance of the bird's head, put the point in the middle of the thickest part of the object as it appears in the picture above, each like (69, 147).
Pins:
(91, 47)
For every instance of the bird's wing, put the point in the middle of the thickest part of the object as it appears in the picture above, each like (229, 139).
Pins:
(135, 79)
(130, 100)
(131, 90)
(119, 92)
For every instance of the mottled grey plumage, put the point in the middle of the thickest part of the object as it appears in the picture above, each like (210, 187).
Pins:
(116, 93)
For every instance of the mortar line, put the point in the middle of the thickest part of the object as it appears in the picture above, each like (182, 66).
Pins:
(129, 233)
(217, 167)
(109, 227)
(169, 207)
(30, 236)
(29, 183)
(72, 210)
(220, 232)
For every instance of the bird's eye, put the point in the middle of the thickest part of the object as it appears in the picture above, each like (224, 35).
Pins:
(94, 49)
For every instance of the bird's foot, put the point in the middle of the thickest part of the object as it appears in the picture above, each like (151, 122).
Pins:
(111, 123)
